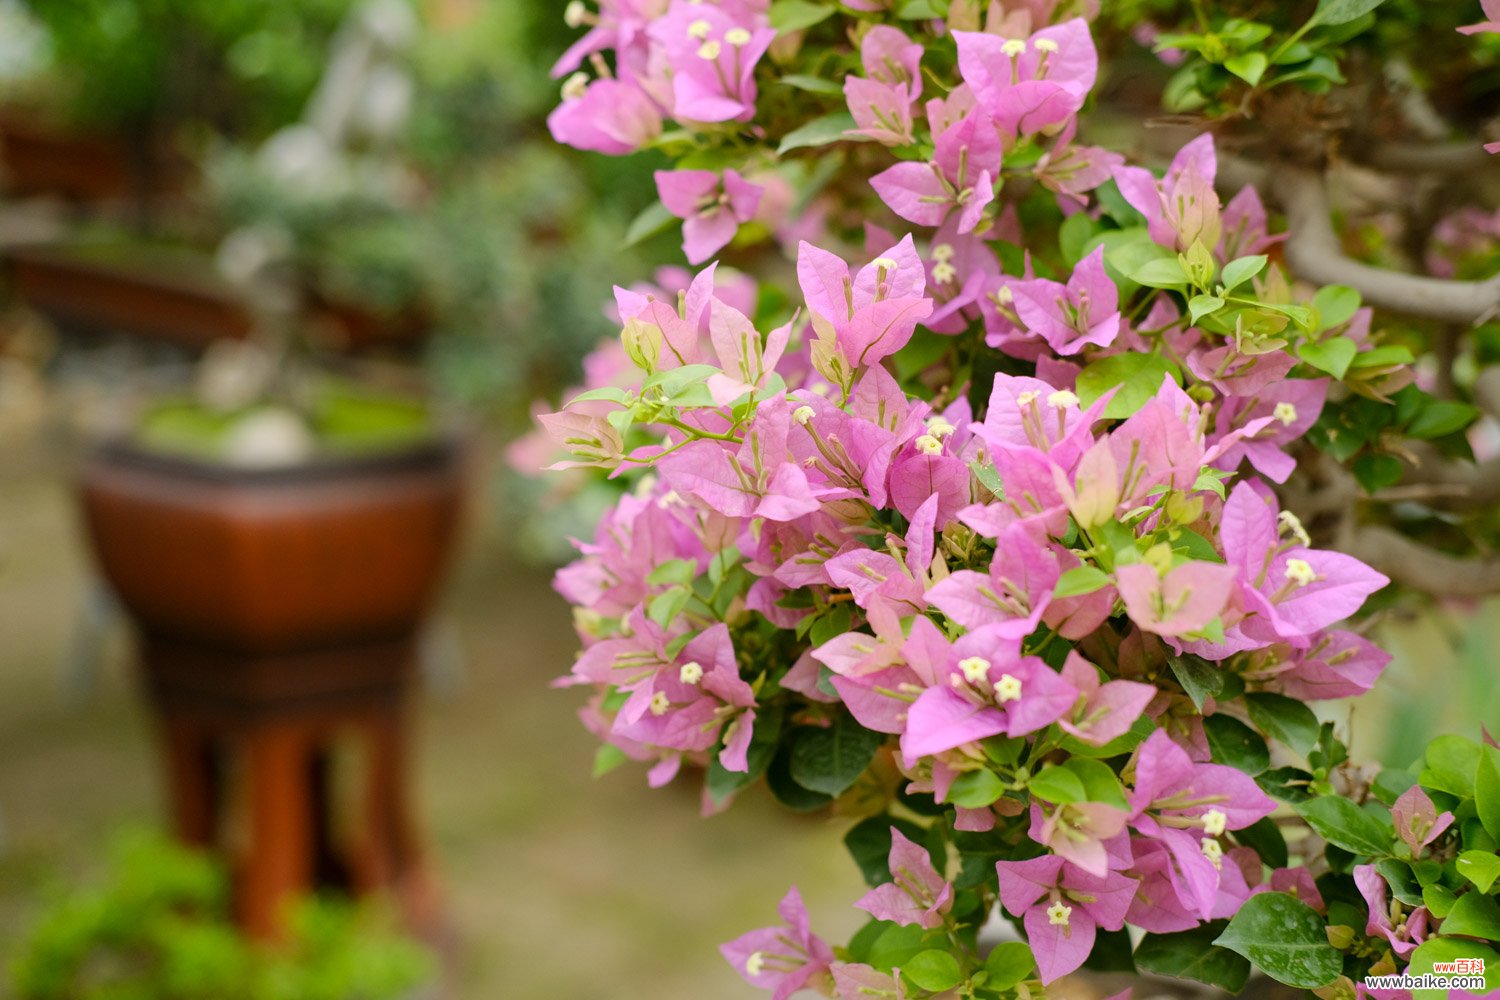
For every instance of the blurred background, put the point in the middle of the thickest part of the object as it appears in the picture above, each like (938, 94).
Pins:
(289, 259)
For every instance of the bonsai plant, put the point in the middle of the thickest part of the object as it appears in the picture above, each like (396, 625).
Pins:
(126, 81)
(160, 928)
(1029, 519)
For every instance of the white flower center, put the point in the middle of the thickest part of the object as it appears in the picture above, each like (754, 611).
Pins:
(699, 29)
(1062, 399)
(939, 428)
(975, 668)
(803, 415)
(884, 263)
(1213, 852)
(1058, 914)
(1292, 525)
(1285, 412)
(574, 14)
(1028, 397)
(1045, 45)
(943, 272)
(709, 50)
(691, 673)
(929, 445)
(575, 86)
(1008, 688)
(660, 703)
(1300, 572)
(943, 252)
(737, 37)
(1213, 822)
(755, 963)
(1014, 47)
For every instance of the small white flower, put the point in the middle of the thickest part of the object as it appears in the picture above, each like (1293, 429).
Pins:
(943, 272)
(709, 50)
(1213, 822)
(575, 86)
(699, 29)
(1300, 572)
(1286, 413)
(1014, 47)
(575, 14)
(975, 668)
(1062, 399)
(1058, 914)
(939, 428)
(1045, 45)
(803, 415)
(660, 703)
(691, 672)
(755, 963)
(929, 445)
(1292, 525)
(1008, 688)
(737, 37)
(1005, 296)
(943, 252)
(885, 263)
(1028, 397)
(1213, 852)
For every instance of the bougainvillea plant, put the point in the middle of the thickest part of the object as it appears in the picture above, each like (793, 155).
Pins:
(978, 514)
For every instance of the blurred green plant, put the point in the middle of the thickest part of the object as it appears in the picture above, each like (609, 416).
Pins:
(238, 66)
(159, 929)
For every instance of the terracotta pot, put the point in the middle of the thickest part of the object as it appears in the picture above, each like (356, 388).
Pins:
(182, 301)
(274, 561)
(40, 158)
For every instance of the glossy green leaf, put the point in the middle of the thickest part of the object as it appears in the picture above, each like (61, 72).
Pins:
(1138, 376)
(1193, 955)
(1339, 821)
(933, 970)
(829, 760)
(1332, 355)
(1236, 744)
(830, 128)
(1285, 938)
(1284, 719)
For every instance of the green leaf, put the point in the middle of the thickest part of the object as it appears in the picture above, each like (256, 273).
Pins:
(1336, 305)
(1474, 915)
(653, 219)
(869, 844)
(1332, 12)
(1446, 949)
(1241, 270)
(1073, 236)
(976, 789)
(666, 606)
(1441, 417)
(1403, 882)
(1284, 719)
(933, 970)
(1008, 963)
(1332, 355)
(792, 795)
(1265, 838)
(1139, 377)
(1377, 471)
(1100, 784)
(829, 760)
(818, 132)
(680, 571)
(608, 393)
(1163, 272)
(607, 758)
(1081, 580)
(1452, 762)
(1236, 744)
(811, 84)
(1339, 821)
(1193, 955)
(1198, 677)
(1480, 867)
(1248, 66)
(1285, 938)
(1057, 784)
(1201, 305)
(764, 742)
(899, 944)
(794, 15)
(920, 10)
(1487, 790)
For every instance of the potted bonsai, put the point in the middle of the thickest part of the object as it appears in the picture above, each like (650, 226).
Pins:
(1027, 513)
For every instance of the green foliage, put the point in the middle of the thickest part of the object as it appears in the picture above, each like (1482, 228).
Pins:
(160, 929)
